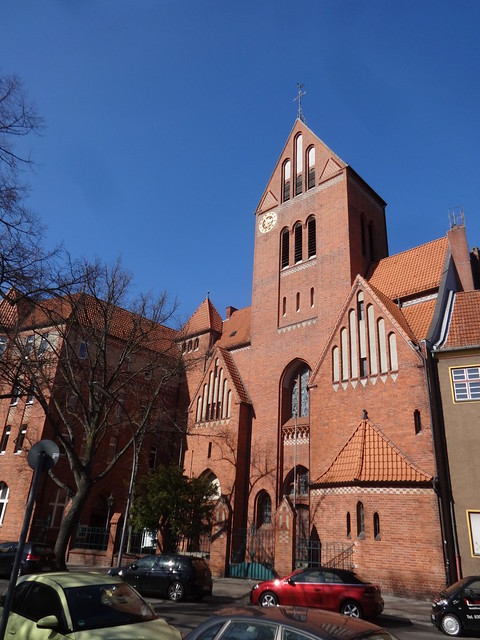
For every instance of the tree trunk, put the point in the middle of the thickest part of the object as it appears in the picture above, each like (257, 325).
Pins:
(69, 524)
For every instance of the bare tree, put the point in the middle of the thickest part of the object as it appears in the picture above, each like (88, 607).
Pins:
(99, 371)
(24, 264)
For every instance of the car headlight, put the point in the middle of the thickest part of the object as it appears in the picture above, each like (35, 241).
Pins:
(255, 586)
(440, 601)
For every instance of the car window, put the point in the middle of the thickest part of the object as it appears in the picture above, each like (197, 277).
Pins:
(472, 592)
(293, 634)
(312, 575)
(42, 601)
(329, 576)
(106, 605)
(210, 632)
(145, 563)
(8, 547)
(249, 630)
(18, 596)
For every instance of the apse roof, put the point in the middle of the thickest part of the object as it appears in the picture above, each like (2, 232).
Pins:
(369, 456)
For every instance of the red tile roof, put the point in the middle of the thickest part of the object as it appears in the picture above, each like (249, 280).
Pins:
(419, 317)
(407, 274)
(205, 318)
(236, 329)
(369, 456)
(464, 329)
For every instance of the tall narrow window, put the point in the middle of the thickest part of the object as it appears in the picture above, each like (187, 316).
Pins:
(29, 345)
(209, 454)
(372, 343)
(353, 345)
(3, 500)
(5, 436)
(362, 335)
(43, 344)
(298, 242)
(382, 345)
(299, 394)
(285, 248)
(56, 508)
(264, 509)
(284, 306)
(349, 525)
(311, 167)
(152, 460)
(312, 297)
(360, 521)
(376, 526)
(392, 344)
(344, 344)
(3, 346)
(298, 301)
(312, 240)
(298, 164)
(15, 394)
(21, 438)
(83, 350)
(417, 420)
(371, 240)
(335, 364)
(286, 180)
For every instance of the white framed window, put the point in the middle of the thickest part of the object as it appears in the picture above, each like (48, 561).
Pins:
(473, 518)
(20, 439)
(465, 383)
(3, 500)
(5, 437)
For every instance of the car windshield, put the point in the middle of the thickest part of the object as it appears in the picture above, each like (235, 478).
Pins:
(106, 605)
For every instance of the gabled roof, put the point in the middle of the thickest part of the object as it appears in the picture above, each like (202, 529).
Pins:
(236, 329)
(369, 456)
(206, 318)
(410, 273)
(464, 329)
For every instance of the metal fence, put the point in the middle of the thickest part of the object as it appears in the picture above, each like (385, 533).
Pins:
(91, 538)
(315, 553)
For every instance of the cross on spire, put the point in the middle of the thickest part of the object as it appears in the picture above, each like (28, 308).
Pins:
(301, 93)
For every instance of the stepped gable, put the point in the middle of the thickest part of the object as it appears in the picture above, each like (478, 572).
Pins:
(410, 273)
(206, 318)
(464, 329)
(236, 329)
(369, 456)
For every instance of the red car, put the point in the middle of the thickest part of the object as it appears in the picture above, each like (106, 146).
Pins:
(325, 588)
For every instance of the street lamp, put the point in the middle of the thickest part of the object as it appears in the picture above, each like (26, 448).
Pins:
(109, 395)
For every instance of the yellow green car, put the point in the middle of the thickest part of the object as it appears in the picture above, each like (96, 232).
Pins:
(81, 606)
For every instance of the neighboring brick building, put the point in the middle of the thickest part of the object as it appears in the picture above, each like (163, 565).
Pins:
(321, 384)
(70, 368)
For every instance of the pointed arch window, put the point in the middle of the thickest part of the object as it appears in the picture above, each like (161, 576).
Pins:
(312, 238)
(298, 242)
(3, 500)
(299, 395)
(286, 180)
(285, 248)
(392, 346)
(311, 168)
(264, 509)
(298, 164)
(360, 521)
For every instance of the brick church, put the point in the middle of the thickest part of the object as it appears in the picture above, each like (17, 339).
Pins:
(315, 399)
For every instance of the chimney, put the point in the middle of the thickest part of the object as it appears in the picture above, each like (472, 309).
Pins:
(457, 239)
(230, 310)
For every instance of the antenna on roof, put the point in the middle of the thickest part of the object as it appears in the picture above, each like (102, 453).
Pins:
(301, 93)
(456, 217)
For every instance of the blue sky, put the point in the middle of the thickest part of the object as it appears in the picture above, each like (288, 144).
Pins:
(165, 118)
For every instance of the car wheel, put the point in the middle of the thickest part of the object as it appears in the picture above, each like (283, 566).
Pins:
(352, 609)
(268, 599)
(176, 592)
(450, 625)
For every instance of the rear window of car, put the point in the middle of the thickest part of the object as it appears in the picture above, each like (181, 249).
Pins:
(41, 549)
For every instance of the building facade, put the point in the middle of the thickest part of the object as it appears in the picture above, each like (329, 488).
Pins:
(319, 390)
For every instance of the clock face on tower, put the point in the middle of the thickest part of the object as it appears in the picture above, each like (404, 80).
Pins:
(267, 222)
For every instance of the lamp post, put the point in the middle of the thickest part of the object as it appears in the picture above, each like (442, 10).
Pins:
(109, 395)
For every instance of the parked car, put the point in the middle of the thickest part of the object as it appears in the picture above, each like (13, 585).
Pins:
(82, 606)
(332, 589)
(36, 558)
(174, 576)
(289, 623)
(457, 608)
